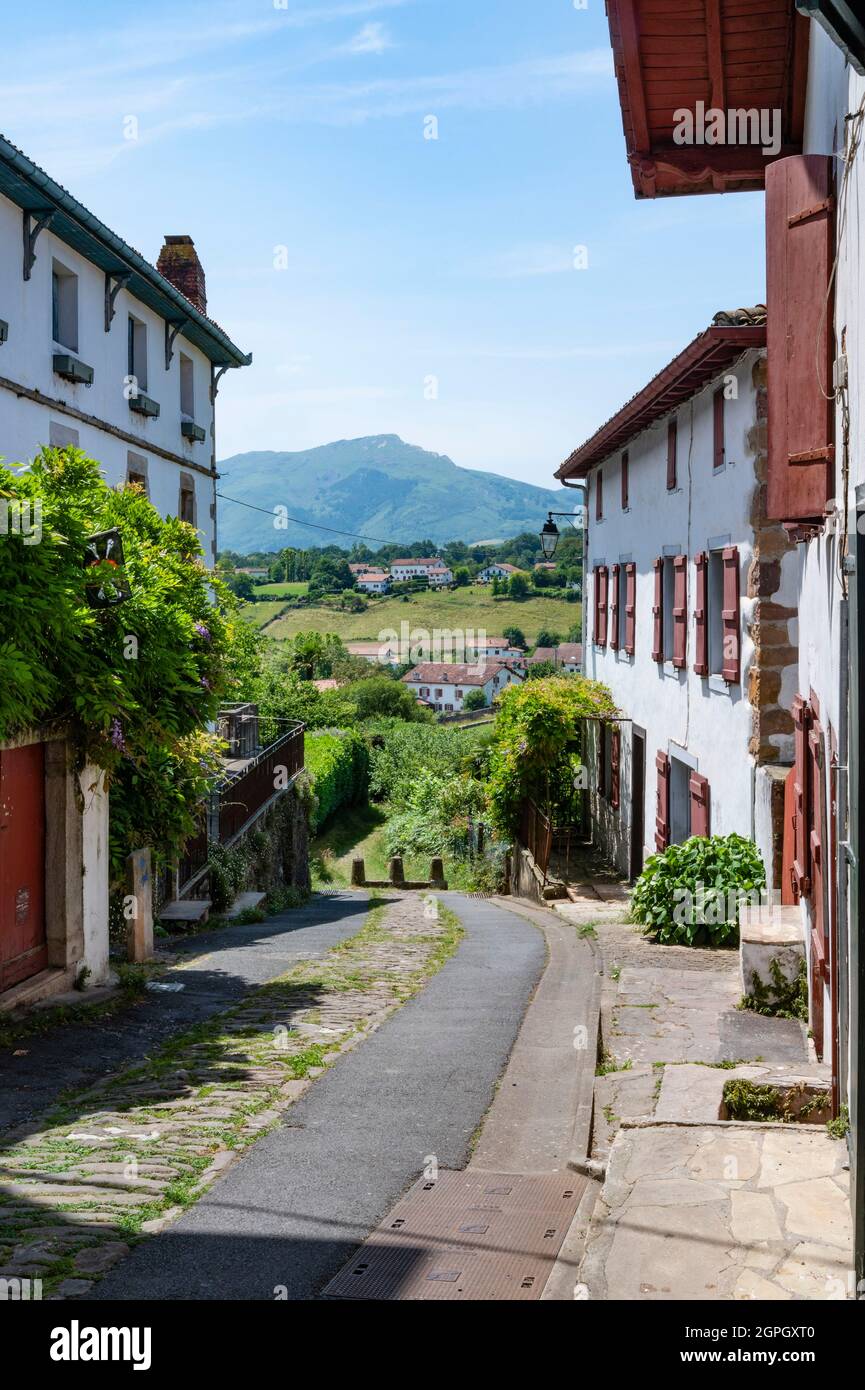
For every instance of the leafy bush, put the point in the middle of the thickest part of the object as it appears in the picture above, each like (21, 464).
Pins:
(399, 751)
(436, 815)
(536, 749)
(476, 699)
(690, 894)
(381, 697)
(337, 763)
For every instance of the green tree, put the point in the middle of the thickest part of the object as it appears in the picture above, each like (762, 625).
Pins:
(379, 697)
(462, 577)
(515, 637)
(518, 586)
(476, 699)
(547, 638)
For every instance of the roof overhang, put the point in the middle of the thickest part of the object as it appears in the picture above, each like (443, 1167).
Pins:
(699, 57)
(25, 184)
(701, 361)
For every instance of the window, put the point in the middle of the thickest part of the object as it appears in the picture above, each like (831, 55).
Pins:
(715, 613)
(64, 307)
(459, 694)
(625, 481)
(672, 460)
(439, 694)
(136, 470)
(61, 437)
(187, 387)
(599, 496)
(718, 454)
(137, 352)
(186, 508)
(668, 600)
(680, 801)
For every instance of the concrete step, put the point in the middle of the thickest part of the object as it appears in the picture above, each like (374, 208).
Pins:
(185, 910)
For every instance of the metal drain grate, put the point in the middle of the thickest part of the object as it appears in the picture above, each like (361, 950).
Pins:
(467, 1236)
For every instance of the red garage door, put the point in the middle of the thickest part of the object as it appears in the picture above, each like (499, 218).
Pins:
(23, 950)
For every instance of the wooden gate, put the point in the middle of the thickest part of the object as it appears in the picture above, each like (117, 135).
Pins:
(23, 948)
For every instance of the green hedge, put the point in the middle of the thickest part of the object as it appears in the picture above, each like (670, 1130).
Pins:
(338, 766)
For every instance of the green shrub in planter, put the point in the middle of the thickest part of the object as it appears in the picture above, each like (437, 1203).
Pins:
(691, 893)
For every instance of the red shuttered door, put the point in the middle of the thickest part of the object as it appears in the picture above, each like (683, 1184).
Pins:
(701, 602)
(658, 612)
(680, 610)
(698, 788)
(23, 948)
(799, 338)
(801, 798)
(615, 762)
(662, 802)
(819, 949)
(614, 608)
(630, 608)
(730, 614)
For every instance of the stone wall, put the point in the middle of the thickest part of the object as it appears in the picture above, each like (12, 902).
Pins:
(772, 587)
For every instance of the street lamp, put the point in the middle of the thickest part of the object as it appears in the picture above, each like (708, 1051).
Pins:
(550, 532)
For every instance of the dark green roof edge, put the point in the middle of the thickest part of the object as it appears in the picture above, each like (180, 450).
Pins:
(146, 283)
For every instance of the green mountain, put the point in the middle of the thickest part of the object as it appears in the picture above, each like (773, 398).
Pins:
(378, 486)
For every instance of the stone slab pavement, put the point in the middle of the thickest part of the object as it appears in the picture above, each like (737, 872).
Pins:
(723, 1211)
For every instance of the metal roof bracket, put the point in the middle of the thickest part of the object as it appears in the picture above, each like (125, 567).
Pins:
(32, 228)
(171, 332)
(120, 278)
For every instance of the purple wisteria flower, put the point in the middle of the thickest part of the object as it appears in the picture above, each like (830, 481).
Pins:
(205, 682)
(203, 632)
(117, 736)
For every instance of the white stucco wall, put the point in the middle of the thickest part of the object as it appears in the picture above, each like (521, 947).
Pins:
(834, 90)
(26, 359)
(703, 722)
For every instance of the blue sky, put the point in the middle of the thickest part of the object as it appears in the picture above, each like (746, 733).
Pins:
(301, 126)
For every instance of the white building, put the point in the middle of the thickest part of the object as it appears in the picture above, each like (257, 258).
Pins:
(444, 687)
(100, 349)
(376, 653)
(490, 649)
(803, 66)
(497, 571)
(374, 582)
(424, 568)
(683, 570)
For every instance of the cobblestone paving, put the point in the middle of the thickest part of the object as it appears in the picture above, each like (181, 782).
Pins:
(119, 1161)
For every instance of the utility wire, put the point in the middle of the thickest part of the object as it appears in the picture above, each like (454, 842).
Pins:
(268, 511)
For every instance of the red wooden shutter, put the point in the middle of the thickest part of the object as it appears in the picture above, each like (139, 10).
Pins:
(630, 607)
(799, 337)
(602, 760)
(680, 609)
(672, 441)
(614, 609)
(801, 798)
(731, 625)
(662, 807)
(625, 481)
(601, 627)
(658, 612)
(599, 495)
(701, 602)
(615, 759)
(718, 437)
(596, 594)
(698, 788)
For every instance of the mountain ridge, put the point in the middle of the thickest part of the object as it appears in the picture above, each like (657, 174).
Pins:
(377, 486)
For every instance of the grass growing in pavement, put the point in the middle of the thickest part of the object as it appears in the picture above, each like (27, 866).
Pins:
(235, 1053)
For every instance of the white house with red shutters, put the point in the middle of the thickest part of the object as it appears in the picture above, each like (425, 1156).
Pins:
(802, 64)
(444, 687)
(684, 577)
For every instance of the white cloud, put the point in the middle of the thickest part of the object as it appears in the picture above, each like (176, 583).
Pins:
(372, 38)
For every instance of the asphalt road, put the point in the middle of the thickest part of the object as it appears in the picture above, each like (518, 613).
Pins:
(288, 1214)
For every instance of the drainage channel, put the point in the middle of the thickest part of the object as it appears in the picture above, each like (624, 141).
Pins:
(466, 1235)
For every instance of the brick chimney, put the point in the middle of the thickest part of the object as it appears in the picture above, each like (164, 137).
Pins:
(179, 263)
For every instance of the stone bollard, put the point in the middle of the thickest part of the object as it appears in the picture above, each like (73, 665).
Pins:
(437, 873)
(397, 873)
(139, 887)
(358, 873)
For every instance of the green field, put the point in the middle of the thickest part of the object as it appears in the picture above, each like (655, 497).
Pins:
(288, 590)
(470, 608)
(257, 614)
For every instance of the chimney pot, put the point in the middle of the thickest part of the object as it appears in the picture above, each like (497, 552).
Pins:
(179, 263)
